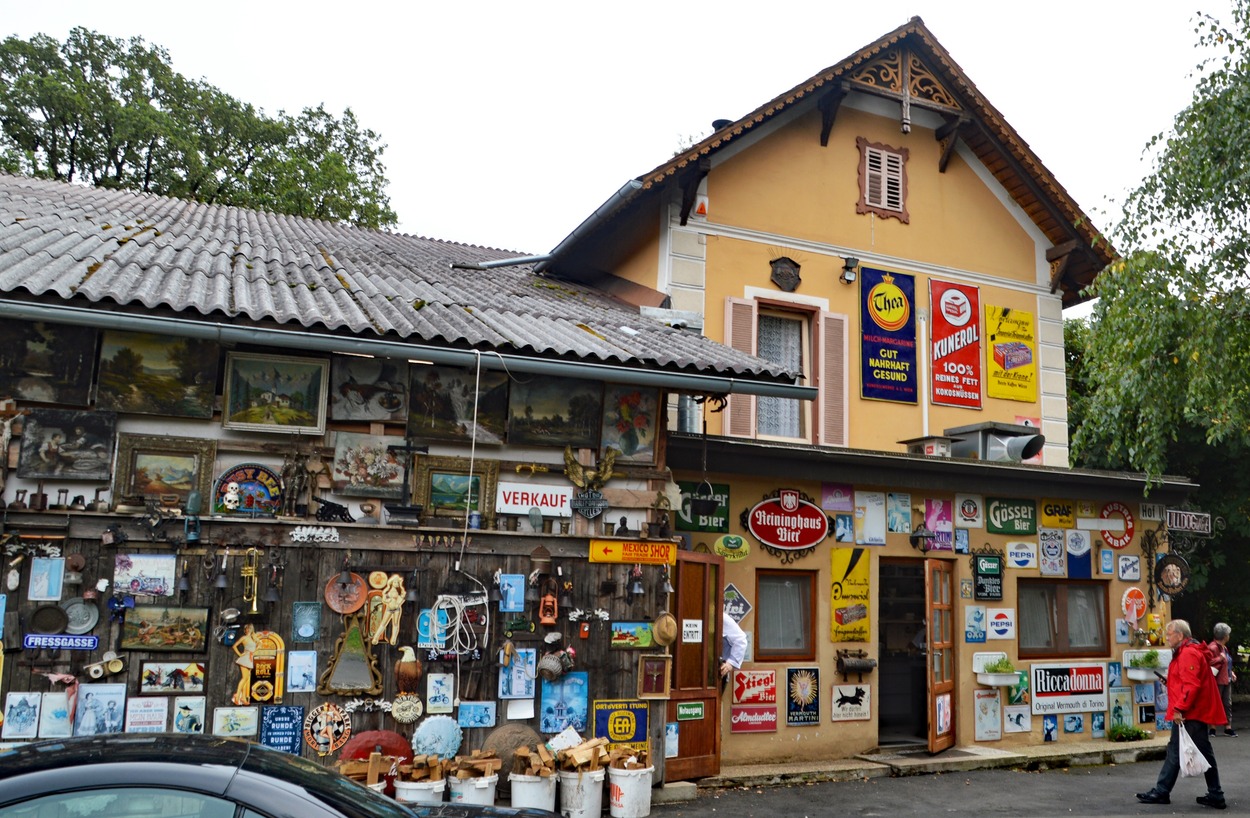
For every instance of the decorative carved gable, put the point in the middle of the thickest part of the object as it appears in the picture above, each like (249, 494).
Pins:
(901, 75)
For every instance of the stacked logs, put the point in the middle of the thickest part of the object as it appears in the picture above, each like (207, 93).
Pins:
(536, 760)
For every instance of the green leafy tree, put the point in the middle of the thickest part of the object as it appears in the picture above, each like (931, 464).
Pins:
(1160, 379)
(113, 113)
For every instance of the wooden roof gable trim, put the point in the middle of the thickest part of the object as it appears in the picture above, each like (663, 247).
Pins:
(1053, 199)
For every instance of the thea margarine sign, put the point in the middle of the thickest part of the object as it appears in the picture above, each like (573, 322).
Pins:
(1068, 688)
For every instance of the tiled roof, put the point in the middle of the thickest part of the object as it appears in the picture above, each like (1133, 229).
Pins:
(120, 250)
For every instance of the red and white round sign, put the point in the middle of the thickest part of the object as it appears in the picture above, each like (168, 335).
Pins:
(1112, 511)
(787, 522)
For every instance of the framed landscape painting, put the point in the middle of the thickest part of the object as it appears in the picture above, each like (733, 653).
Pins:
(155, 465)
(47, 363)
(555, 412)
(149, 374)
(275, 393)
(441, 404)
(447, 489)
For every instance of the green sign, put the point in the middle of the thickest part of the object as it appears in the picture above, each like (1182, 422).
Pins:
(689, 711)
(1010, 515)
(714, 519)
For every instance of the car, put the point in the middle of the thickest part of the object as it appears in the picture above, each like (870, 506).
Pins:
(194, 776)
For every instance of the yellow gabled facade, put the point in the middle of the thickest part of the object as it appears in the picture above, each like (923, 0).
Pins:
(887, 173)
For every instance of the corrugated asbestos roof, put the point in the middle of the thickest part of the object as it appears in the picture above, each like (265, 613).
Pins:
(131, 251)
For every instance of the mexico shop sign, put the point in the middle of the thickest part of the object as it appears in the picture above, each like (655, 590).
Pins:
(888, 338)
(1010, 515)
(1068, 688)
(787, 522)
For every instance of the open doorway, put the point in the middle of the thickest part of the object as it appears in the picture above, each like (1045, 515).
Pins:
(902, 715)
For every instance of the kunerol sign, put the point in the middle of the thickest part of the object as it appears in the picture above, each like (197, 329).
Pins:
(1068, 688)
(787, 522)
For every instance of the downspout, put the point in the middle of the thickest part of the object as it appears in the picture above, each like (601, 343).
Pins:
(615, 203)
(230, 334)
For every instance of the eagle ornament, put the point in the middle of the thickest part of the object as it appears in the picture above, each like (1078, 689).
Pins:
(407, 706)
(586, 478)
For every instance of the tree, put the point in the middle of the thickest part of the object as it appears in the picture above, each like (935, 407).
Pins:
(1170, 346)
(1159, 381)
(114, 113)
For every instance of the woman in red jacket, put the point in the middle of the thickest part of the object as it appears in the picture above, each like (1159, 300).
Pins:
(1222, 664)
(1193, 706)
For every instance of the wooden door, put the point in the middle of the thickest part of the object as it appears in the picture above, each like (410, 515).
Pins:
(699, 583)
(939, 582)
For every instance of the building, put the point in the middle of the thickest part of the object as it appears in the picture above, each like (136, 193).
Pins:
(882, 229)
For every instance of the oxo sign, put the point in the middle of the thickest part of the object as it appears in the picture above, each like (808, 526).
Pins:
(787, 522)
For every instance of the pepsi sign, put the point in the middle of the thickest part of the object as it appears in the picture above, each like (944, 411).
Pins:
(1000, 623)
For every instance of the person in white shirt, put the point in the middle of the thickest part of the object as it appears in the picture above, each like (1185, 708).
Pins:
(733, 647)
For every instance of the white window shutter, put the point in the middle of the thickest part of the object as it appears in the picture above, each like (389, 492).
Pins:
(740, 319)
(831, 379)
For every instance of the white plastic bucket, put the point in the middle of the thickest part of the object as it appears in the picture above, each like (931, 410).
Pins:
(533, 791)
(378, 787)
(474, 790)
(629, 792)
(581, 793)
(420, 792)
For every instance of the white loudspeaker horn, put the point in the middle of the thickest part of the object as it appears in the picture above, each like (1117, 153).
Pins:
(1014, 448)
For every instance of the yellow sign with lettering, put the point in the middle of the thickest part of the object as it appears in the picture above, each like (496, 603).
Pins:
(633, 551)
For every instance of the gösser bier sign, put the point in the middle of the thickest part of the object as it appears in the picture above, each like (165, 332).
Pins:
(787, 522)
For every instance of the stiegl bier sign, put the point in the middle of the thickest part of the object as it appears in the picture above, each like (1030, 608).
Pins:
(1067, 688)
(787, 522)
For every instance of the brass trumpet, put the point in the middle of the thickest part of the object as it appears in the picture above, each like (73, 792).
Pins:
(251, 562)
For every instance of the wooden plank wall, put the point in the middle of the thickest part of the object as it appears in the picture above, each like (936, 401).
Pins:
(307, 569)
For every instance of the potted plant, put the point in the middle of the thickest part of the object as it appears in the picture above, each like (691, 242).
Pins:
(1142, 665)
(999, 672)
(1127, 732)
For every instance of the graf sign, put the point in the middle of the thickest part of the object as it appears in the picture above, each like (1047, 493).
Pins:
(1189, 522)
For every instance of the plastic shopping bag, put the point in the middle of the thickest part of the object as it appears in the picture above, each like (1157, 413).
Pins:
(1192, 762)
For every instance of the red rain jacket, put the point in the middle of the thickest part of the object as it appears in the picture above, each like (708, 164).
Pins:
(1192, 692)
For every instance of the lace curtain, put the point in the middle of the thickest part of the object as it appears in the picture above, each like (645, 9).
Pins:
(780, 340)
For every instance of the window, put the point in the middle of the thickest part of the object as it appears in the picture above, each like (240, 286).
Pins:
(785, 615)
(784, 339)
(798, 338)
(1063, 618)
(107, 802)
(882, 180)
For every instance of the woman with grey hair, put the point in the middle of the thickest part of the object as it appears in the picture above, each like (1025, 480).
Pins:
(1222, 666)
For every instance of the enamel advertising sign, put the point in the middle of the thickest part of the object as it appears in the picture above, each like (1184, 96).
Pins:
(1068, 688)
(888, 341)
(787, 522)
(956, 344)
(1010, 356)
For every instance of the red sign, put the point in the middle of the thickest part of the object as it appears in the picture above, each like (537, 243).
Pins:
(753, 718)
(755, 687)
(1117, 539)
(788, 522)
(955, 348)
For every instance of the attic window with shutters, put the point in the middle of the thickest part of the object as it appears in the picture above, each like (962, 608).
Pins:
(882, 180)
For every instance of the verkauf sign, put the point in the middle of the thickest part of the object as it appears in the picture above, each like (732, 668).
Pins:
(787, 522)
(519, 498)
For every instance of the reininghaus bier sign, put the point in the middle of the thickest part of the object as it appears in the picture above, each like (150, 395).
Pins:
(787, 522)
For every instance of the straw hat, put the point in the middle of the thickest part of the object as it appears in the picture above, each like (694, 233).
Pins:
(664, 629)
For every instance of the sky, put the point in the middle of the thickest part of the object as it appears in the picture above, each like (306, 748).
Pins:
(507, 123)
